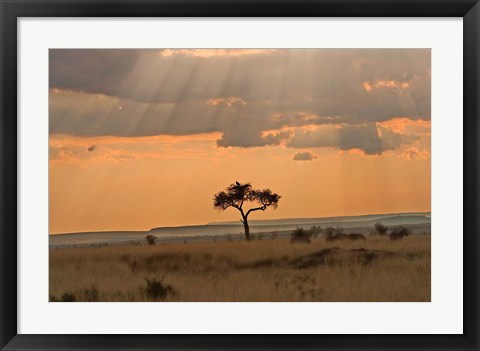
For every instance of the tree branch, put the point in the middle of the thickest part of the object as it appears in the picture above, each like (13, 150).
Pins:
(256, 209)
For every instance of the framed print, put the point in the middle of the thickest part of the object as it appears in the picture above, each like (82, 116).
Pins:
(224, 175)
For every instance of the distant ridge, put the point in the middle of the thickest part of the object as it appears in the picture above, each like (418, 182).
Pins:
(419, 222)
(340, 219)
(370, 219)
(104, 232)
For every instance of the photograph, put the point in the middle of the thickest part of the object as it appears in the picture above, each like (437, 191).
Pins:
(239, 175)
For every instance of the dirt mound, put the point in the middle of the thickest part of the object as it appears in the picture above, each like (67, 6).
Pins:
(336, 256)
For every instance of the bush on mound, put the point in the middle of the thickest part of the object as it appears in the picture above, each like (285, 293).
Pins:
(300, 235)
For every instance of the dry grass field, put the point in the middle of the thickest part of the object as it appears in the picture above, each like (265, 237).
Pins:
(266, 270)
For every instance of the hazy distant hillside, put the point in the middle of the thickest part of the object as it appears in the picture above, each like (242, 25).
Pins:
(398, 218)
(395, 220)
(362, 224)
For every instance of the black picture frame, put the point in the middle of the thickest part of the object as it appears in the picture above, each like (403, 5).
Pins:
(12, 10)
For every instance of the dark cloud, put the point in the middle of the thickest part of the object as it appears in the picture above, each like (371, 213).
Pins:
(370, 138)
(249, 137)
(91, 70)
(144, 92)
(317, 78)
(304, 156)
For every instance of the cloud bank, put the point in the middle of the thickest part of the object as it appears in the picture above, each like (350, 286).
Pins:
(254, 98)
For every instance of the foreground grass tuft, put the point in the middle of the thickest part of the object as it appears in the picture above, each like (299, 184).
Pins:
(69, 297)
(157, 290)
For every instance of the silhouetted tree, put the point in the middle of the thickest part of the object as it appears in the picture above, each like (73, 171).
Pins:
(380, 228)
(237, 195)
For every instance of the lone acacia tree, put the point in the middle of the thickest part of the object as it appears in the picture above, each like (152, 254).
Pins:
(236, 195)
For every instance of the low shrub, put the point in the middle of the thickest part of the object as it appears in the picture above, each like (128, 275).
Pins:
(91, 294)
(315, 231)
(380, 228)
(300, 233)
(151, 239)
(69, 297)
(398, 228)
(332, 231)
(157, 290)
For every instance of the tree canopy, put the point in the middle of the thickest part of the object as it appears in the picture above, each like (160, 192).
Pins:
(237, 195)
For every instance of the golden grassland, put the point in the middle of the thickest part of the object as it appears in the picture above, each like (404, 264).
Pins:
(266, 270)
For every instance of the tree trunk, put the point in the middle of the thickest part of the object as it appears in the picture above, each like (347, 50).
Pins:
(247, 229)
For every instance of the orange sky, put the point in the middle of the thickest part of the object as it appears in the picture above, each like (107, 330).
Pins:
(116, 163)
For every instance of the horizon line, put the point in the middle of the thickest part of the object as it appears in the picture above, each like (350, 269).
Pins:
(227, 222)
